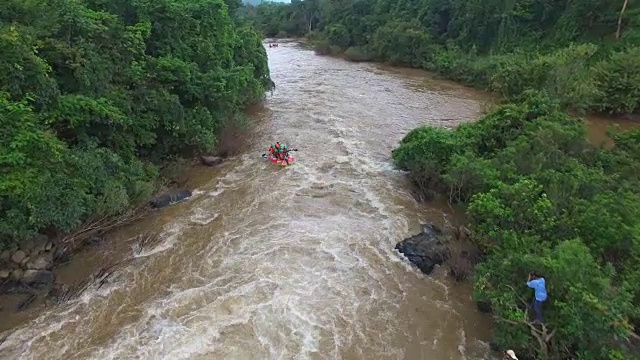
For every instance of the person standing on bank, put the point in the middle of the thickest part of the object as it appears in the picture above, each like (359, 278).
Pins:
(537, 283)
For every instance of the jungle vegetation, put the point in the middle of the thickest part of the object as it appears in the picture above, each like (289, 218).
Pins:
(586, 53)
(96, 95)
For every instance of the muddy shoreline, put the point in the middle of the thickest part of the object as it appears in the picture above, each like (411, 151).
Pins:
(45, 272)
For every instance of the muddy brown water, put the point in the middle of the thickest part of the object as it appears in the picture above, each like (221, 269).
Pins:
(284, 263)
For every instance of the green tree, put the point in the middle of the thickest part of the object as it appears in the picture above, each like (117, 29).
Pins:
(540, 197)
(96, 94)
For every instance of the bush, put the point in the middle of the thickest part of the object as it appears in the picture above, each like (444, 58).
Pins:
(541, 198)
(94, 95)
(618, 79)
(322, 47)
(357, 54)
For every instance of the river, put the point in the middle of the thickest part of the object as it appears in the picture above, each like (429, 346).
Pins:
(287, 263)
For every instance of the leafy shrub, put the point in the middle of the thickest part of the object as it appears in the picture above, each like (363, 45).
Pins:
(357, 54)
(541, 198)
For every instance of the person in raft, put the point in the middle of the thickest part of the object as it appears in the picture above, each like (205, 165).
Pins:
(274, 150)
(509, 354)
(537, 283)
(285, 152)
(280, 151)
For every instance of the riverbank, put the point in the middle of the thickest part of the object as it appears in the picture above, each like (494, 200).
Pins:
(598, 124)
(491, 74)
(89, 126)
(53, 270)
(463, 170)
(49, 272)
(541, 198)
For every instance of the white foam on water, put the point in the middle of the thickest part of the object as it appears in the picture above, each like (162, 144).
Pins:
(170, 235)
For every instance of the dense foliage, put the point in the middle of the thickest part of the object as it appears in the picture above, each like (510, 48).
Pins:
(541, 198)
(278, 19)
(95, 93)
(585, 52)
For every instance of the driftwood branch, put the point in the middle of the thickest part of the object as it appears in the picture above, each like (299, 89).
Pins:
(97, 279)
(104, 224)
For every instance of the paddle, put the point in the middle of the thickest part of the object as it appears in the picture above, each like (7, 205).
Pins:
(265, 154)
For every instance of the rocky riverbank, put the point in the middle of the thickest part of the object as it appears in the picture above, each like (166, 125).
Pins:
(29, 263)
(29, 270)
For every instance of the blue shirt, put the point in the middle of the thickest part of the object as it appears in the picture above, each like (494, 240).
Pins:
(538, 285)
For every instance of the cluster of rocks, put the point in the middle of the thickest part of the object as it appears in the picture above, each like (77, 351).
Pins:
(29, 263)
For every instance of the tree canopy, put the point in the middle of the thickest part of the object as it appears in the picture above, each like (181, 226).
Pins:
(95, 93)
(584, 52)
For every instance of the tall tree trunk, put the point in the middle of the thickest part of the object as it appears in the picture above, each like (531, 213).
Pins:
(624, 7)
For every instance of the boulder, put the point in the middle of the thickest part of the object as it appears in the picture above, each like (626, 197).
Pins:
(4, 274)
(27, 246)
(41, 262)
(460, 266)
(425, 250)
(211, 160)
(5, 255)
(170, 198)
(18, 256)
(24, 261)
(38, 278)
(40, 243)
(462, 233)
(17, 274)
(484, 307)
(49, 246)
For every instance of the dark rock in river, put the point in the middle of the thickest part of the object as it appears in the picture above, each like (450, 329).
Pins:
(211, 160)
(170, 198)
(425, 250)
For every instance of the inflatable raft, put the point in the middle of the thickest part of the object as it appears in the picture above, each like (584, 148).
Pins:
(279, 162)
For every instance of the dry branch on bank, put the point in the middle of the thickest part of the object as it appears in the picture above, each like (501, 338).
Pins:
(100, 226)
